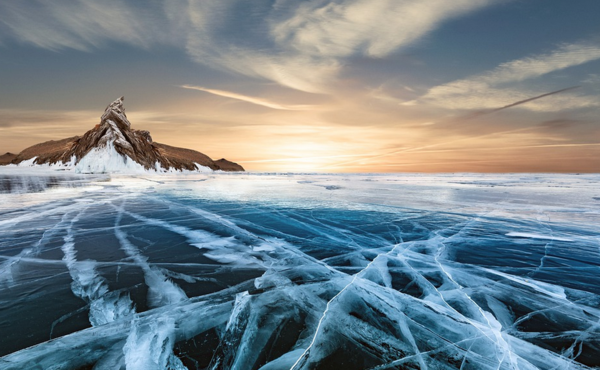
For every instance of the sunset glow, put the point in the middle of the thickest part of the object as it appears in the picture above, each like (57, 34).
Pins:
(311, 86)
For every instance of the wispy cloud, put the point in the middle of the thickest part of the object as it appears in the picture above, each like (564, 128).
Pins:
(593, 78)
(300, 159)
(249, 99)
(373, 156)
(513, 147)
(496, 88)
(561, 123)
(369, 27)
(310, 41)
(84, 25)
(302, 45)
(565, 56)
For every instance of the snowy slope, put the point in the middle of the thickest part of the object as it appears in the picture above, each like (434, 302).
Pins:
(107, 160)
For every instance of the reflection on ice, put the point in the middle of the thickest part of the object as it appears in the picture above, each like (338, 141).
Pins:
(280, 272)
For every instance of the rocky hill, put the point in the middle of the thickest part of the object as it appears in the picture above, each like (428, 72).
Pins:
(7, 158)
(113, 146)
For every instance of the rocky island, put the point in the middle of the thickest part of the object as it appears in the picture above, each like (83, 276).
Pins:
(113, 146)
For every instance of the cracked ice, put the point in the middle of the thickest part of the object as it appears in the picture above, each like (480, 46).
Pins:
(299, 271)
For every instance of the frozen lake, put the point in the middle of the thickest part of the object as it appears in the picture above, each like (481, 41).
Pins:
(291, 271)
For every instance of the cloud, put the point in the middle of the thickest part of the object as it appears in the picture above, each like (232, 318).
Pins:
(83, 25)
(369, 27)
(249, 99)
(413, 149)
(300, 159)
(561, 123)
(22, 128)
(565, 56)
(497, 88)
(593, 78)
(39, 118)
(301, 45)
(307, 43)
(298, 72)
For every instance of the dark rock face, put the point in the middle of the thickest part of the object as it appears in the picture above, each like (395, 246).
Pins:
(115, 130)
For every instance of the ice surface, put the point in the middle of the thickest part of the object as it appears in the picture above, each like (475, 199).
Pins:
(298, 271)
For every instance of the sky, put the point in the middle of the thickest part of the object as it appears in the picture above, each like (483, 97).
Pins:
(313, 85)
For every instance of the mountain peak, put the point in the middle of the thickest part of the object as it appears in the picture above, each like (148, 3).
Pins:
(117, 105)
(115, 112)
(113, 146)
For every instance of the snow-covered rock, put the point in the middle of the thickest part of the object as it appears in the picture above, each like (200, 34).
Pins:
(112, 146)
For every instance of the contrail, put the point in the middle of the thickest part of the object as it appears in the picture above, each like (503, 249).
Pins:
(481, 113)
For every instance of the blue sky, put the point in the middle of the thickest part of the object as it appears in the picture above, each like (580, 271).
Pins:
(350, 86)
